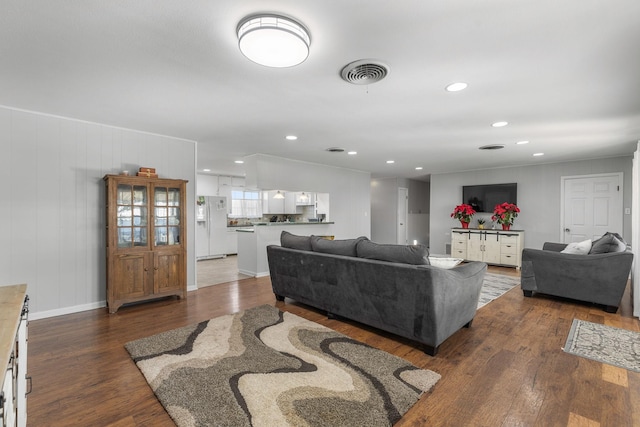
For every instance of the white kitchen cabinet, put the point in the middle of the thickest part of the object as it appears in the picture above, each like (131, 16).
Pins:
(225, 187)
(271, 205)
(491, 246)
(13, 355)
(231, 241)
(237, 182)
(304, 198)
(322, 205)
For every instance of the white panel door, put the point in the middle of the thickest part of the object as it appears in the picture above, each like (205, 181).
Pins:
(403, 208)
(592, 206)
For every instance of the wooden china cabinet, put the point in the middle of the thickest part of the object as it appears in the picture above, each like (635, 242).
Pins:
(146, 239)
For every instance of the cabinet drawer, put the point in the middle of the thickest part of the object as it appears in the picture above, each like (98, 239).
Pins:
(459, 253)
(508, 249)
(509, 259)
(509, 239)
(459, 244)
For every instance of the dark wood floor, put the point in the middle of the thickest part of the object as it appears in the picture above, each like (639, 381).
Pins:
(508, 369)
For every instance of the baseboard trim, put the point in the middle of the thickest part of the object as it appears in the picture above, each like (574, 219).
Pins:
(66, 310)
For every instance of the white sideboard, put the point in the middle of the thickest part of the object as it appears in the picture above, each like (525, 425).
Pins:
(497, 247)
(14, 312)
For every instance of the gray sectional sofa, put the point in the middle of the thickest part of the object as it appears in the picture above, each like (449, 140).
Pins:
(389, 287)
(598, 276)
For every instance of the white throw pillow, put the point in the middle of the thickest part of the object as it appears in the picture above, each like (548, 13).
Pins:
(444, 262)
(578, 248)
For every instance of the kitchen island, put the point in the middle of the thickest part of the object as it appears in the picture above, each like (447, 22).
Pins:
(253, 242)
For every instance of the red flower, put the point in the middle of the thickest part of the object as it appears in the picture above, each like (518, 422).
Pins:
(463, 213)
(505, 213)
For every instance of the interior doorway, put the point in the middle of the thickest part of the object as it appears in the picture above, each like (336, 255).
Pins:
(592, 205)
(402, 217)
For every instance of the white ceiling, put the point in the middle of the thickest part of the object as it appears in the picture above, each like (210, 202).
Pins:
(564, 74)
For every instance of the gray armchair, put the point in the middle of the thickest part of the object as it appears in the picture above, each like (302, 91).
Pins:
(599, 278)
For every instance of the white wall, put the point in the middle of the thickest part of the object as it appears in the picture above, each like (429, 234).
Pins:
(538, 197)
(349, 190)
(384, 210)
(52, 208)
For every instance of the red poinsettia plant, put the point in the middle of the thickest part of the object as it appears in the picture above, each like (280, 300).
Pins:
(505, 213)
(463, 213)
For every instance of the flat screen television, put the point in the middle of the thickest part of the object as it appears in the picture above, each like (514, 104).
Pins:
(483, 198)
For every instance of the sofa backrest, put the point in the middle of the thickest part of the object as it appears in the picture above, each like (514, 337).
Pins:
(360, 247)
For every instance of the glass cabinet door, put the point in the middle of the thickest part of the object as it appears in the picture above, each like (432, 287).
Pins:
(167, 216)
(131, 215)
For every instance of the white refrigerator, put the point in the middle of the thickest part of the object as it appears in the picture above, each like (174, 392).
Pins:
(211, 227)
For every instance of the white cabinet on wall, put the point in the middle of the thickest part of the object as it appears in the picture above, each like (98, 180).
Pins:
(322, 205)
(490, 246)
(305, 198)
(272, 205)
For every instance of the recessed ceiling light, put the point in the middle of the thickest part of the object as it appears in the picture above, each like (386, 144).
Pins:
(522, 142)
(352, 153)
(499, 124)
(390, 161)
(273, 40)
(419, 168)
(538, 154)
(291, 137)
(456, 87)
(238, 161)
(206, 170)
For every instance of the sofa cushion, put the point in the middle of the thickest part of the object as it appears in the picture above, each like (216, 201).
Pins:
(345, 247)
(578, 248)
(406, 254)
(609, 242)
(292, 241)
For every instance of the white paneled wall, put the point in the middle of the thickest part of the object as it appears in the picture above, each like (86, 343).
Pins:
(52, 207)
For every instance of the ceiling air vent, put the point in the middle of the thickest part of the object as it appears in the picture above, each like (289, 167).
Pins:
(364, 72)
(335, 150)
(491, 147)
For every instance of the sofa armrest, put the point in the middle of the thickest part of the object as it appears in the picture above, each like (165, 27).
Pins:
(555, 247)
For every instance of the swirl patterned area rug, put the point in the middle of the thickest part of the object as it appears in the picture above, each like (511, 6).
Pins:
(264, 367)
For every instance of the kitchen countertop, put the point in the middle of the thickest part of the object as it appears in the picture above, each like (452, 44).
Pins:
(250, 228)
(294, 223)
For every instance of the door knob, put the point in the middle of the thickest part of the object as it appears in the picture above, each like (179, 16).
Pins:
(566, 230)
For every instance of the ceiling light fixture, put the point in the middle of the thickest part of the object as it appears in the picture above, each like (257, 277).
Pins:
(239, 162)
(206, 170)
(419, 168)
(278, 195)
(390, 161)
(522, 142)
(352, 153)
(456, 87)
(273, 40)
(291, 137)
(491, 147)
(499, 124)
(538, 154)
